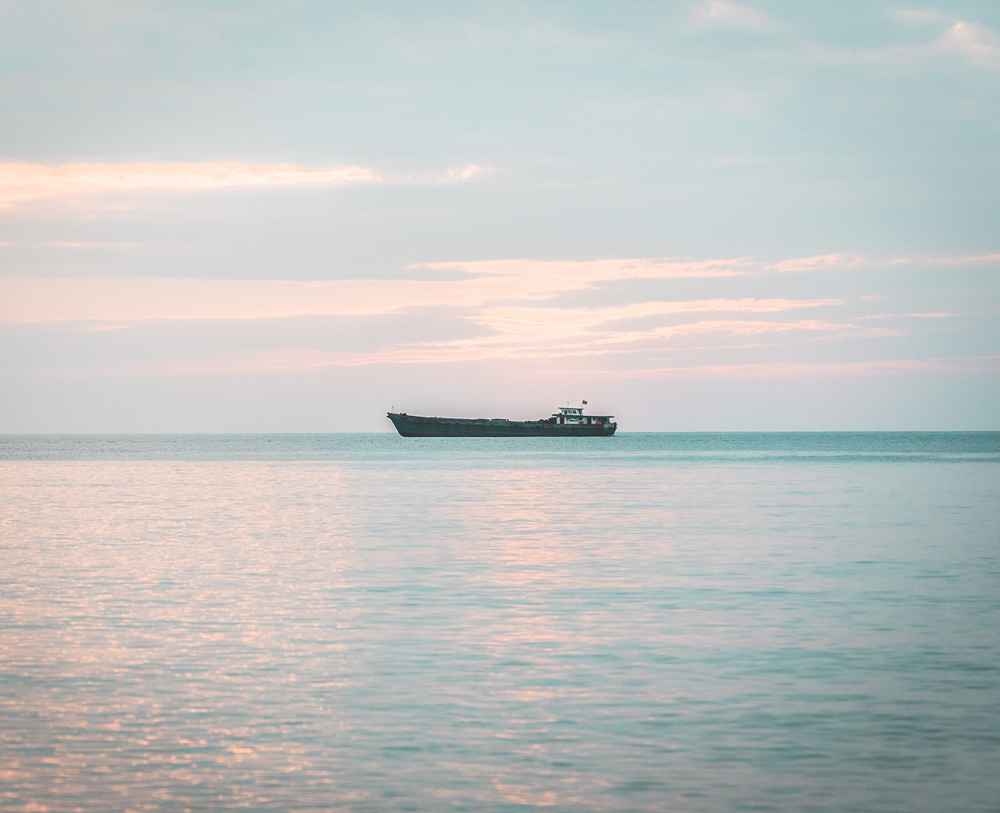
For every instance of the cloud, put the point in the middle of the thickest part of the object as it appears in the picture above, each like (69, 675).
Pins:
(820, 262)
(976, 44)
(781, 369)
(511, 309)
(558, 324)
(737, 327)
(913, 16)
(465, 172)
(527, 329)
(724, 13)
(554, 37)
(960, 260)
(975, 259)
(88, 244)
(480, 285)
(551, 276)
(970, 43)
(53, 299)
(23, 181)
(526, 348)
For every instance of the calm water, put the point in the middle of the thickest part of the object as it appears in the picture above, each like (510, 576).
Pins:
(362, 622)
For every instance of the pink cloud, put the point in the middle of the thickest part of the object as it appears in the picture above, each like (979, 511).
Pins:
(820, 262)
(970, 259)
(20, 181)
(548, 324)
(23, 182)
(527, 281)
(304, 360)
(516, 345)
(509, 299)
(737, 327)
(725, 13)
(40, 299)
(523, 281)
(466, 172)
(977, 44)
(583, 273)
(966, 364)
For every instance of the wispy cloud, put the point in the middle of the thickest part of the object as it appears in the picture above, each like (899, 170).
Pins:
(960, 42)
(555, 275)
(976, 44)
(47, 299)
(820, 262)
(965, 259)
(511, 309)
(781, 369)
(25, 181)
(741, 327)
(725, 13)
(551, 36)
(481, 286)
(532, 349)
(915, 16)
(558, 324)
(465, 172)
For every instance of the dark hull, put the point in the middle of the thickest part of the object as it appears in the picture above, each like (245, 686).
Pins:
(416, 426)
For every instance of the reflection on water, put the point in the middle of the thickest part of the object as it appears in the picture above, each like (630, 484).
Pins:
(383, 625)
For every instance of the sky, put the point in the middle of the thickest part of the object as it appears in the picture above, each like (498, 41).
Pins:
(696, 215)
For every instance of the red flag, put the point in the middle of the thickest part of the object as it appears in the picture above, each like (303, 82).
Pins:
(585, 403)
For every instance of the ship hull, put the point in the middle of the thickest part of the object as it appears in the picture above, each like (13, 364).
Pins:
(416, 426)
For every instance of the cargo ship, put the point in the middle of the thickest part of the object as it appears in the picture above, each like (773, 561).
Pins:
(568, 422)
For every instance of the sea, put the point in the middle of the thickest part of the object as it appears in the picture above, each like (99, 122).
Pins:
(649, 622)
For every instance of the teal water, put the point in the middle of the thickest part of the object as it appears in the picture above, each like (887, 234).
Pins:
(709, 622)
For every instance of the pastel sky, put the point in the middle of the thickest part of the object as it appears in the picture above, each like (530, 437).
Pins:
(697, 215)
